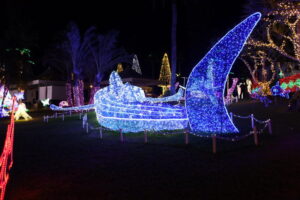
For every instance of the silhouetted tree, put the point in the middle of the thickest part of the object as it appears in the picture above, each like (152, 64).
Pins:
(77, 49)
(106, 55)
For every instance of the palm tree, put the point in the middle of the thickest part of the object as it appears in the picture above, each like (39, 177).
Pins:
(77, 49)
(106, 55)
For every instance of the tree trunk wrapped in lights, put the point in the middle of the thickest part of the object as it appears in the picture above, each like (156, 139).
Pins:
(263, 71)
(69, 94)
(93, 91)
(78, 90)
(277, 36)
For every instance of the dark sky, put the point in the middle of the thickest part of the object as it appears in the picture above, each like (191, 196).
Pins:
(144, 25)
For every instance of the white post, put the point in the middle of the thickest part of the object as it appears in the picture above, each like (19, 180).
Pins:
(55, 115)
(214, 143)
(270, 127)
(252, 121)
(70, 112)
(100, 133)
(121, 136)
(255, 136)
(80, 115)
(145, 137)
(186, 136)
(87, 127)
(47, 118)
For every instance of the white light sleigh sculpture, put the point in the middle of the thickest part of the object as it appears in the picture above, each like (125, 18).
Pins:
(123, 106)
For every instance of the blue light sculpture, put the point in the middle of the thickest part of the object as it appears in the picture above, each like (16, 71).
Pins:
(124, 106)
(206, 84)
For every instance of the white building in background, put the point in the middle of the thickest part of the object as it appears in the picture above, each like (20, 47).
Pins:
(42, 89)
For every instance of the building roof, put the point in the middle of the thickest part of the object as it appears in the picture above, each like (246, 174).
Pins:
(45, 83)
(141, 82)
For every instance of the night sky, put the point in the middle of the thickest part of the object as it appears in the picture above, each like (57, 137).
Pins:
(144, 25)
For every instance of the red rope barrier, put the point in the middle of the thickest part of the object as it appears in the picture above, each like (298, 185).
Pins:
(6, 158)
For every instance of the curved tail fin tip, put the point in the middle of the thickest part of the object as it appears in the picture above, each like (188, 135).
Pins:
(206, 84)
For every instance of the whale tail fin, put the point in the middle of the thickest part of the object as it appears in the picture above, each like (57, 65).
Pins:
(206, 84)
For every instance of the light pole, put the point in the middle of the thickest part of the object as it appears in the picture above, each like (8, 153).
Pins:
(184, 78)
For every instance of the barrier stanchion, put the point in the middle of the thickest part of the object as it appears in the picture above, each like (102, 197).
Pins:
(252, 121)
(255, 136)
(87, 127)
(100, 133)
(84, 120)
(270, 126)
(121, 136)
(186, 137)
(145, 137)
(214, 143)
(70, 113)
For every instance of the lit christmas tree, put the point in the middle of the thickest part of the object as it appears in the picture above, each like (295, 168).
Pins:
(165, 70)
(165, 74)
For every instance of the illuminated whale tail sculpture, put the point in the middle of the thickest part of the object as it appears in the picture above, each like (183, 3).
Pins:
(123, 106)
(206, 84)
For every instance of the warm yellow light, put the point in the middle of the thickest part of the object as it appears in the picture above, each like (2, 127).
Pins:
(120, 68)
(22, 112)
(165, 70)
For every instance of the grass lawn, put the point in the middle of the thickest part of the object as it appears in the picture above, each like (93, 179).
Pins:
(60, 161)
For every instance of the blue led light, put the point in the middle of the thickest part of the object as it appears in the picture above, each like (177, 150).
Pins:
(124, 106)
(206, 84)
